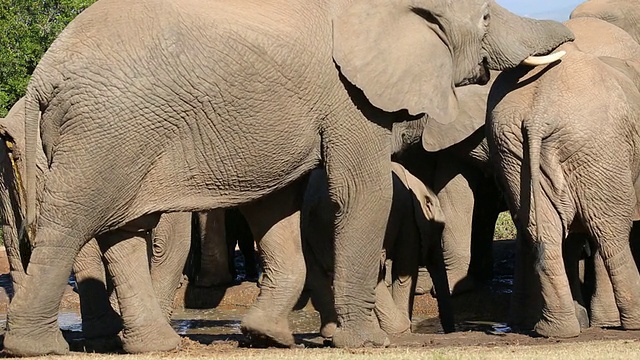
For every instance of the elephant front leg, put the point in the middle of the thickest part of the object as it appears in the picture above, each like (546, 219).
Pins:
(145, 327)
(275, 221)
(99, 319)
(457, 203)
(358, 168)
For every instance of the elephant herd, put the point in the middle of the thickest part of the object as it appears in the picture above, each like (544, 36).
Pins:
(360, 140)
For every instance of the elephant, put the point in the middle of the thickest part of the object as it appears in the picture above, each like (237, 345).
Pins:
(622, 13)
(561, 139)
(412, 238)
(294, 84)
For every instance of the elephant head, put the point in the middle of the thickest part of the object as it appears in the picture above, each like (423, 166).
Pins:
(391, 49)
(623, 13)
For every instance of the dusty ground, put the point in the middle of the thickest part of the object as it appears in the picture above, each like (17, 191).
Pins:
(214, 329)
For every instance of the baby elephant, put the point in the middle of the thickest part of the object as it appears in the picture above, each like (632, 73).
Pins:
(413, 238)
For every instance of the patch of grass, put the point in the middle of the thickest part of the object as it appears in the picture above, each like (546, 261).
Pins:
(619, 349)
(505, 229)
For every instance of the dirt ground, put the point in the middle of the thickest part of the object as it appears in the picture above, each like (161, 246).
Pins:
(214, 328)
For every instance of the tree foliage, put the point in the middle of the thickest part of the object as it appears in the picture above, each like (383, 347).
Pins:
(27, 28)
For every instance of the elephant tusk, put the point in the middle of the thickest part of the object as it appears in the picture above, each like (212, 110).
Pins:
(543, 60)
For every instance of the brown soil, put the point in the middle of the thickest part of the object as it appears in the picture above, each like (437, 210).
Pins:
(477, 314)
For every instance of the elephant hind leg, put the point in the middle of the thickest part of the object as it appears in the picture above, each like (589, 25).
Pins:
(558, 311)
(275, 223)
(99, 319)
(145, 327)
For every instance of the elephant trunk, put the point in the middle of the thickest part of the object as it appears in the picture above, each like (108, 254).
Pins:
(512, 39)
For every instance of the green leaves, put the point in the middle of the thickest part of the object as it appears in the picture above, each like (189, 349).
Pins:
(27, 28)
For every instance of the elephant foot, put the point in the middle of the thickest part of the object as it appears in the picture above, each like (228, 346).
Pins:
(263, 330)
(152, 337)
(106, 326)
(582, 315)
(329, 329)
(31, 342)
(558, 329)
(423, 283)
(630, 323)
(604, 321)
(358, 334)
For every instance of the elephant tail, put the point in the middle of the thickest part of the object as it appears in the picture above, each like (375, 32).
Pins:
(11, 214)
(31, 132)
(532, 131)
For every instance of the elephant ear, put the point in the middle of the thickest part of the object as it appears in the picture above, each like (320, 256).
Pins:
(397, 55)
(425, 202)
(472, 102)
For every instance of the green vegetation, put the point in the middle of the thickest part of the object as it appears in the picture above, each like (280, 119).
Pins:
(505, 230)
(27, 28)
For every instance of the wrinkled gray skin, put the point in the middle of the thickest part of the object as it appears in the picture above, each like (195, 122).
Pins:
(623, 13)
(166, 247)
(293, 84)
(578, 119)
(456, 166)
(412, 238)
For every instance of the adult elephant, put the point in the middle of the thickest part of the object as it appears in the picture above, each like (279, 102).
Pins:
(294, 85)
(625, 14)
(567, 161)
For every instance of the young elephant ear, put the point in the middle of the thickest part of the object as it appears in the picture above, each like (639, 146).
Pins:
(425, 202)
(397, 55)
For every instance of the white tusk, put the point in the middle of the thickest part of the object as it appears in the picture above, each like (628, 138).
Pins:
(543, 60)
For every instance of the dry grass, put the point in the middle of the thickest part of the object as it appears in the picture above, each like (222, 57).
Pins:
(505, 230)
(620, 349)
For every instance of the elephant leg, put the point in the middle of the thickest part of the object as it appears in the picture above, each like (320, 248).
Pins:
(319, 284)
(558, 310)
(485, 216)
(424, 282)
(275, 222)
(404, 270)
(99, 319)
(572, 252)
(526, 299)
(392, 319)
(618, 261)
(604, 311)
(145, 326)
(214, 260)
(457, 203)
(32, 319)
(437, 269)
(240, 233)
(171, 239)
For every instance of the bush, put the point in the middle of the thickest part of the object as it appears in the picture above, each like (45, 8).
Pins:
(505, 229)
(27, 28)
